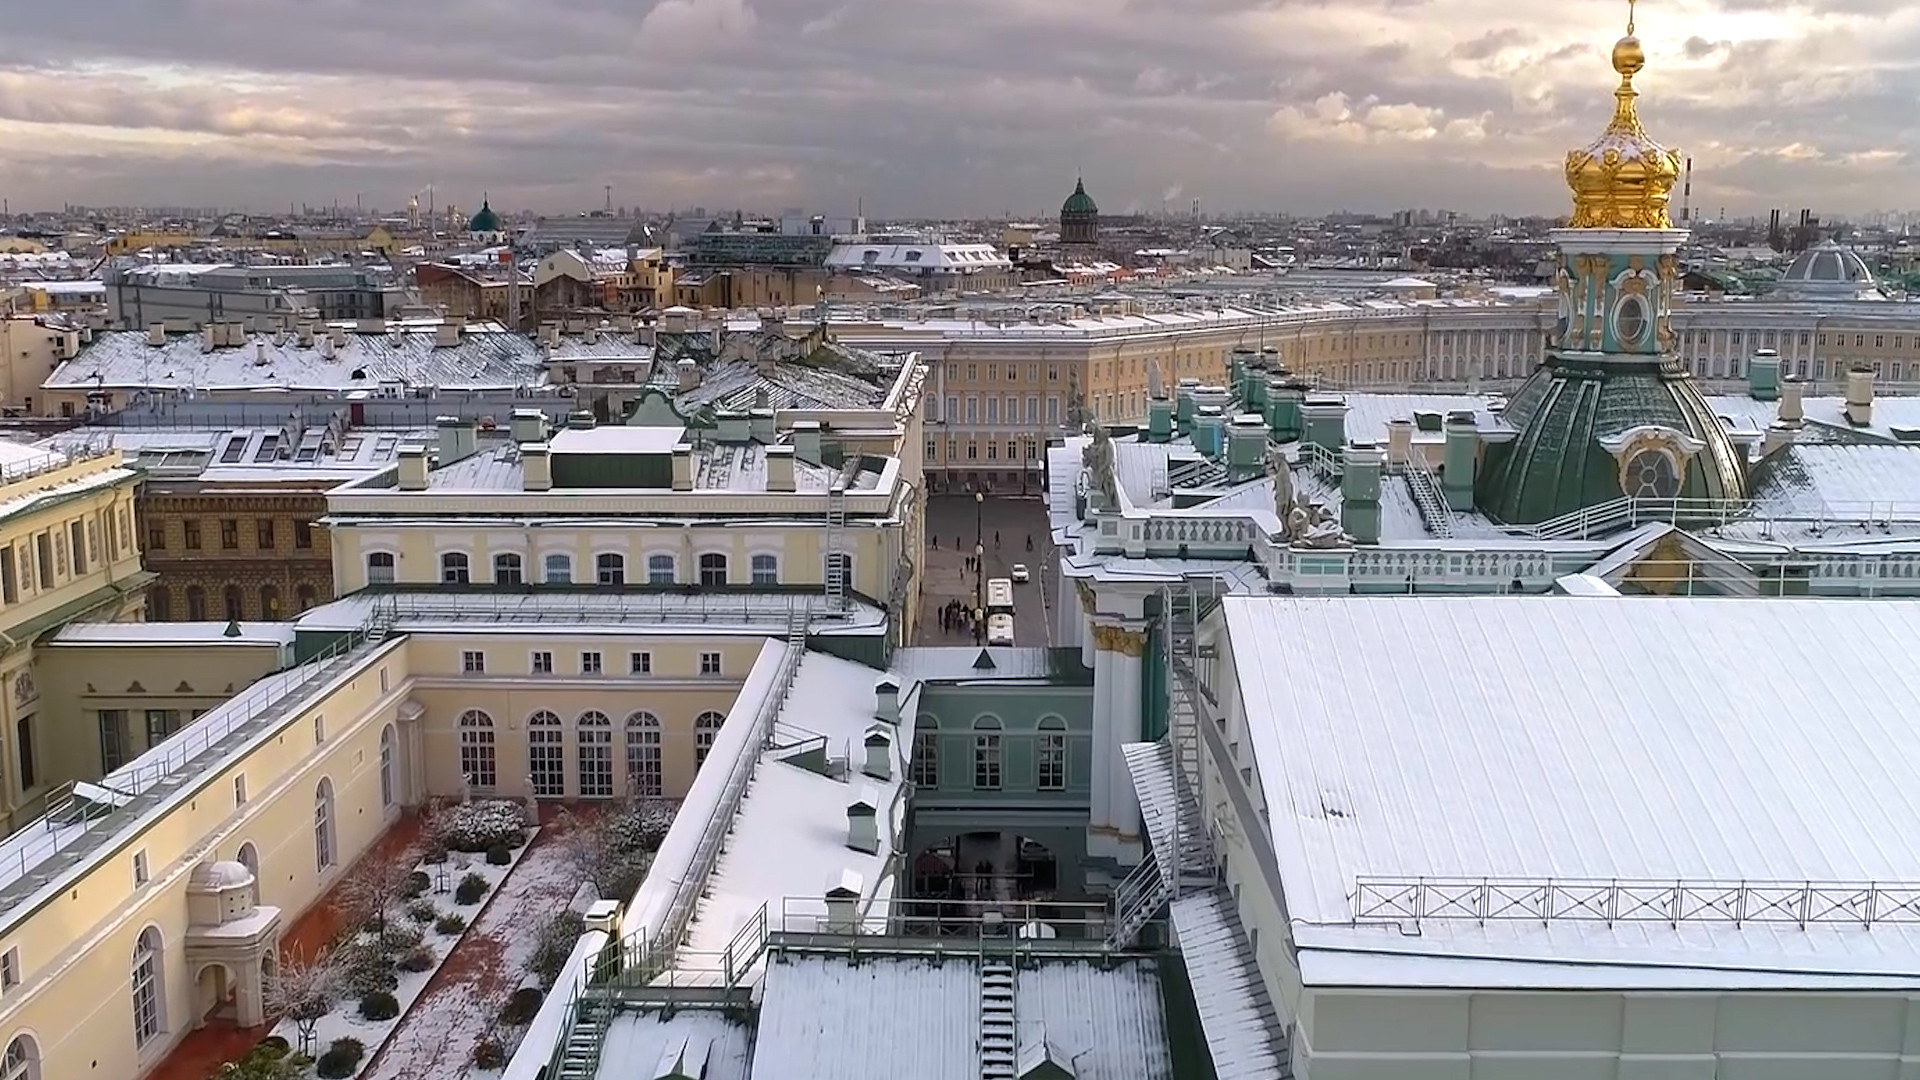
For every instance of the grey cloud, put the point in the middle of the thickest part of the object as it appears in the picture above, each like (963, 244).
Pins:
(919, 106)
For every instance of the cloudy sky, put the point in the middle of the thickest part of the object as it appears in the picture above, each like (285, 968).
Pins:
(943, 107)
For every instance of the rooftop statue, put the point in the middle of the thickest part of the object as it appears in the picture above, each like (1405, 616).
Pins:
(1097, 458)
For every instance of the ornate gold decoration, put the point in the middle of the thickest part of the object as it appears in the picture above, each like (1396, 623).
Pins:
(1120, 639)
(1085, 590)
(1622, 179)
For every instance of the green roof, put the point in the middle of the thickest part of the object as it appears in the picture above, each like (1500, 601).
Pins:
(485, 221)
(1079, 203)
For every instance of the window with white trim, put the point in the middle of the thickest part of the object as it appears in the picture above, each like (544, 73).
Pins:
(546, 755)
(706, 727)
(644, 775)
(593, 736)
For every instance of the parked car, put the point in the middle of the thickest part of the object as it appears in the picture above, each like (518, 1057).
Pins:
(1020, 575)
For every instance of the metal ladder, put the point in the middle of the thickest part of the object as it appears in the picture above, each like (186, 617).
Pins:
(1430, 502)
(999, 1019)
(1136, 901)
(586, 1036)
(836, 525)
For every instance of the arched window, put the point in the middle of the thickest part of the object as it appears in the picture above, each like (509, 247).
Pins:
(380, 568)
(986, 754)
(249, 857)
(507, 569)
(234, 605)
(842, 563)
(643, 755)
(559, 570)
(149, 1002)
(477, 761)
(323, 851)
(455, 569)
(22, 1061)
(610, 569)
(766, 570)
(660, 570)
(926, 752)
(196, 604)
(1050, 755)
(593, 734)
(387, 784)
(546, 755)
(307, 597)
(705, 727)
(270, 602)
(713, 569)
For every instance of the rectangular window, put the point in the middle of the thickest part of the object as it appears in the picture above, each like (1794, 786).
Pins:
(240, 790)
(113, 739)
(709, 663)
(10, 969)
(76, 537)
(190, 533)
(156, 536)
(319, 730)
(926, 759)
(43, 554)
(1052, 762)
(263, 534)
(161, 725)
(543, 663)
(473, 662)
(140, 874)
(986, 761)
(229, 534)
(303, 534)
(640, 663)
(589, 663)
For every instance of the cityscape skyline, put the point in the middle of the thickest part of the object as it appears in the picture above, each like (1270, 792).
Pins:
(915, 111)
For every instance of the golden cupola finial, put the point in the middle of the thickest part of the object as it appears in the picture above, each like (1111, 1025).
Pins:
(1622, 179)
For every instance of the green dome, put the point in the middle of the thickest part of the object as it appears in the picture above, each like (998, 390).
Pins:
(1579, 417)
(486, 221)
(1079, 204)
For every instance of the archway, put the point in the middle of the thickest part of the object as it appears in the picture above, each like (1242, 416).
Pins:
(215, 997)
(960, 879)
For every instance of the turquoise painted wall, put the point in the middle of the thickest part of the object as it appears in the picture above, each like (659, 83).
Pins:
(952, 715)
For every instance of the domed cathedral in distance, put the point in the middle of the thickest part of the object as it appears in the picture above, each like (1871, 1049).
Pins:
(1612, 412)
(1079, 217)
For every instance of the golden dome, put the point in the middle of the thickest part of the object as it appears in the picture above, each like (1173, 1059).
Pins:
(1622, 179)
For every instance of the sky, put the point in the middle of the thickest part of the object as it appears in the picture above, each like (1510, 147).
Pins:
(944, 108)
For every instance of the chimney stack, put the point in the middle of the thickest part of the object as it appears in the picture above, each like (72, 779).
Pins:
(688, 373)
(338, 336)
(1860, 396)
(879, 762)
(683, 467)
(446, 335)
(1463, 461)
(303, 334)
(1399, 444)
(529, 426)
(1793, 394)
(760, 425)
(157, 333)
(536, 466)
(886, 699)
(413, 468)
(780, 469)
(1360, 493)
(806, 441)
(1780, 435)
(458, 439)
(863, 824)
(209, 337)
(843, 904)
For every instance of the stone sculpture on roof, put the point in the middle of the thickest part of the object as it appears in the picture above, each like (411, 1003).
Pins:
(1281, 471)
(1098, 461)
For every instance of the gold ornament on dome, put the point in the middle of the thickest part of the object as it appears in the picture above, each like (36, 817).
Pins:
(1623, 178)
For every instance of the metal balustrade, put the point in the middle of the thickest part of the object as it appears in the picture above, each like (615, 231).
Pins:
(1545, 900)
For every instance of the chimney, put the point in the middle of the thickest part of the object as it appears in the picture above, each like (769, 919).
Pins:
(372, 326)
(806, 441)
(780, 468)
(1793, 393)
(157, 333)
(1860, 396)
(1360, 493)
(1780, 435)
(879, 763)
(1183, 404)
(304, 335)
(1285, 406)
(1763, 375)
(682, 467)
(1159, 420)
(886, 699)
(1325, 421)
(337, 335)
(529, 426)
(1399, 444)
(1246, 448)
(1463, 461)
(760, 425)
(413, 468)
(688, 373)
(863, 826)
(536, 466)
(446, 335)
(592, 335)
(580, 420)
(843, 903)
(550, 334)
(260, 353)
(209, 337)
(733, 427)
(1208, 438)
(328, 347)
(458, 439)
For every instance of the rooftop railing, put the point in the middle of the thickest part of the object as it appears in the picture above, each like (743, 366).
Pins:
(1798, 904)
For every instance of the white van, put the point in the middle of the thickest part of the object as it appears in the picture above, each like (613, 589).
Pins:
(999, 629)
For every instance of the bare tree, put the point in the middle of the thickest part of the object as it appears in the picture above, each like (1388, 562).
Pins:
(303, 991)
(608, 849)
(368, 892)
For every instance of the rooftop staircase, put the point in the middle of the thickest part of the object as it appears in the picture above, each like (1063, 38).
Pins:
(999, 1021)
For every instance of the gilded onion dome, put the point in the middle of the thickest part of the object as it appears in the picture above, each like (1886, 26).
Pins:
(1622, 179)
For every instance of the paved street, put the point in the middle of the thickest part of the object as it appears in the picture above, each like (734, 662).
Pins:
(953, 528)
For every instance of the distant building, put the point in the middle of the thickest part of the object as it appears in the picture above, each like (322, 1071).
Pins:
(934, 266)
(1079, 217)
(187, 297)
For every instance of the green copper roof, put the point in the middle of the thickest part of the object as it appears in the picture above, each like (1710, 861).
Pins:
(1079, 202)
(485, 221)
(1565, 413)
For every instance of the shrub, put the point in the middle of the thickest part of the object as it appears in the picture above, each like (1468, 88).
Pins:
(417, 884)
(554, 943)
(341, 1059)
(365, 968)
(499, 855)
(470, 890)
(641, 826)
(522, 1007)
(379, 1005)
(450, 924)
(273, 1046)
(477, 826)
(422, 911)
(266, 1062)
(399, 937)
(489, 1054)
(436, 852)
(417, 959)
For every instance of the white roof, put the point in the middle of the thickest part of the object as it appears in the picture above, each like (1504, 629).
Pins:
(173, 633)
(616, 439)
(1669, 744)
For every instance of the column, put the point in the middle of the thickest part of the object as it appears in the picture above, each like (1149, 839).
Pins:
(1114, 813)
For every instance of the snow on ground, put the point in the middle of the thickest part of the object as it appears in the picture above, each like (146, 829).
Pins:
(345, 1020)
(437, 1036)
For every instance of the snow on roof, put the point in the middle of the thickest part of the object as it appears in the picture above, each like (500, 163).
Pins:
(1602, 743)
(617, 439)
(174, 633)
(638, 1041)
(1109, 1017)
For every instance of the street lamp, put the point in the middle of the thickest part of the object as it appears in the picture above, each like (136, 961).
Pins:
(979, 593)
